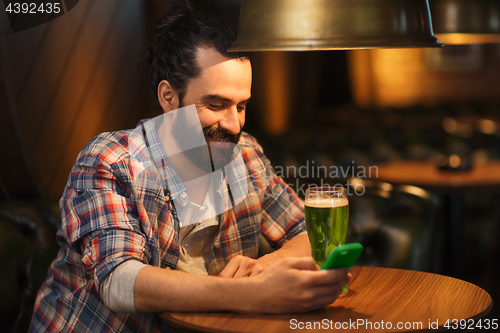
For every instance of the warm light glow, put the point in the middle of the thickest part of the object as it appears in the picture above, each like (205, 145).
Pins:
(277, 85)
(450, 125)
(454, 161)
(386, 187)
(460, 39)
(361, 72)
(417, 191)
(487, 126)
(405, 77)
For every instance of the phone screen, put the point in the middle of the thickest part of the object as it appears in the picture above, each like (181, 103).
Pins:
(343, 256)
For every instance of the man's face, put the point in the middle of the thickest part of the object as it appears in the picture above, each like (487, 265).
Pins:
(220, 94)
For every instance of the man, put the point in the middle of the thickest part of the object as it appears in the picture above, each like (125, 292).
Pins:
(136, 238)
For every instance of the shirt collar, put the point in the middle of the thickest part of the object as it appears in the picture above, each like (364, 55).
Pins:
(160, 159)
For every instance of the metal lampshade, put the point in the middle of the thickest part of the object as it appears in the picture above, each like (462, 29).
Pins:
(299, 25)
(466, 21)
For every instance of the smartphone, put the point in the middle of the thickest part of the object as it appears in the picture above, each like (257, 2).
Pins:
(343, 256)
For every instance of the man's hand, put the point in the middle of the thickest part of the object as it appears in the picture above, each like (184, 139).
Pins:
(290, 285)
(241, 266)
(296, 285)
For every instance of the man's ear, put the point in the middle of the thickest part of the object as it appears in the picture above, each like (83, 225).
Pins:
(167, 96)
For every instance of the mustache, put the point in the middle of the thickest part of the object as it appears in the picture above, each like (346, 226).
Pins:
(219, 135)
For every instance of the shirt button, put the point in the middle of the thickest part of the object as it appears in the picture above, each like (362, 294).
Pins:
(167, 197)
(203, 208)
(183, 194)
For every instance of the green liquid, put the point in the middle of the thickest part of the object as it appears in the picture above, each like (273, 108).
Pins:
(327, 228)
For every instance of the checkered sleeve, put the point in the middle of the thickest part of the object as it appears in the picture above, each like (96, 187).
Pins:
(282, 209)
(101, 218)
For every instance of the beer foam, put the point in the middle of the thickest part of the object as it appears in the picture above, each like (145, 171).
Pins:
(326, 203)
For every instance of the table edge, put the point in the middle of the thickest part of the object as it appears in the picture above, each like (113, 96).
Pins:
(188, 327)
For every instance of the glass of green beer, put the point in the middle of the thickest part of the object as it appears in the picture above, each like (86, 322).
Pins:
(327, 214)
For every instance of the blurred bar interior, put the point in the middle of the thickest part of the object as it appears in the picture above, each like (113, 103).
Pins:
(64, 82)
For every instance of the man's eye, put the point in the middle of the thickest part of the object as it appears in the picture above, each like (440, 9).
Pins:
(242, 108)
(215, 107)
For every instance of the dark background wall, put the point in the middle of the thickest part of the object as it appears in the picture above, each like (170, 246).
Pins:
(65, 81)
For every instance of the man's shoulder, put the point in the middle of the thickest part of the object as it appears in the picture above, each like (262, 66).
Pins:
(108, 147)
(110, 139)
(248, 141)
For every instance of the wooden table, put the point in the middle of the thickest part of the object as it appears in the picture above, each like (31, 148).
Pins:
(451, 185)
(380, 296)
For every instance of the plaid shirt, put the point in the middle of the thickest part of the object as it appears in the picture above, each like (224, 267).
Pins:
(109, 216)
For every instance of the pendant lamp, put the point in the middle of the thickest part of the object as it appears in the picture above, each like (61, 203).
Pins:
(303, 25)
(466, 21)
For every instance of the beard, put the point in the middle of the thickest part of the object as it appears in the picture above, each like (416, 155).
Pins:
(221, 156)
(212, 156)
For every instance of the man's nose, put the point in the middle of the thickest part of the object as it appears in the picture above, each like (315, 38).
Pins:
(231, 121)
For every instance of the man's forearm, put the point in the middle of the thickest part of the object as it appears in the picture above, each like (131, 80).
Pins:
(290, 285)
(298, 246)
(159, 290)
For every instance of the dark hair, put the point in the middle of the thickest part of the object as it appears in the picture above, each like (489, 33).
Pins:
(179, 33)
